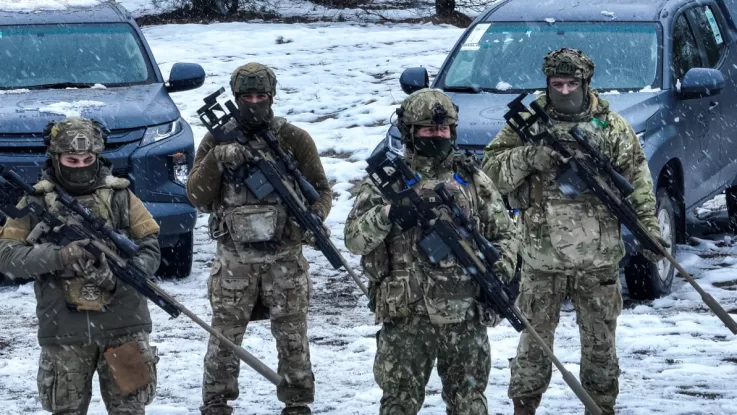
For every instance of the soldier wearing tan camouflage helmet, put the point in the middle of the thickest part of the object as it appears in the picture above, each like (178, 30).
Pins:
(429, 312)
(570, 247)
(83, 310)
(259, 265)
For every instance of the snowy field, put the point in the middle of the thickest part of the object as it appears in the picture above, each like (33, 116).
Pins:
(340, 83)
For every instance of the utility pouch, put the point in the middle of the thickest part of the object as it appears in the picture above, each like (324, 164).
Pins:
(127, 367)
(255, 223)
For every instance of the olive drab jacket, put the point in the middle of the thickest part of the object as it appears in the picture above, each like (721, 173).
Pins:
(403, 281)
(60, 322)
(239, 221)
(560, 233)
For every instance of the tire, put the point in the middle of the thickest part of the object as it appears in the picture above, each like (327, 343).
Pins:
(646, 280)
(176, 261)
(731, 194)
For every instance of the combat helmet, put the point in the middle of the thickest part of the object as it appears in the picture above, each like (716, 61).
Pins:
(568, 62)
(426, 107)
(253, 77)
(75, 135)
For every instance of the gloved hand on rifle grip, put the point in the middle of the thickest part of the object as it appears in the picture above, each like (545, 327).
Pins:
(74, 252)
(230, 155)
(543, 158)
(405, 217)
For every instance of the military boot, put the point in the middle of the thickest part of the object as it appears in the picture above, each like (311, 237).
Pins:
(296, 409)
(527, 405)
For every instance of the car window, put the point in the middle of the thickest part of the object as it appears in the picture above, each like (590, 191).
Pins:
(707, 28)
(686, 53)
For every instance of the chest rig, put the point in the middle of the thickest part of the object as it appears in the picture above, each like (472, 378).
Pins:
(80, 294)
(253, 224)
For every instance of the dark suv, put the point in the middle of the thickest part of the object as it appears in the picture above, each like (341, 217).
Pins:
(667, 66)
(95, 62)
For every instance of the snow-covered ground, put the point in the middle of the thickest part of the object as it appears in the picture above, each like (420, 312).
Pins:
(340, 83)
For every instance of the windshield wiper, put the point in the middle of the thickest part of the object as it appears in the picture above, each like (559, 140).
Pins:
(62, 85)
(472, 89)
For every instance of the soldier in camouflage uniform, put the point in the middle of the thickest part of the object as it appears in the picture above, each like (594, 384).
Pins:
(82, 309)
(570, 247)
(259, 264)
(429, 311)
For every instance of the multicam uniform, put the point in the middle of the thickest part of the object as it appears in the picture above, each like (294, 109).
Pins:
(259, 265)
(570, 247)
(428, 311)
(81, 318)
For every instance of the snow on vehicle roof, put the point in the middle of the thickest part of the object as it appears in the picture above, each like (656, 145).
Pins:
(40, 5)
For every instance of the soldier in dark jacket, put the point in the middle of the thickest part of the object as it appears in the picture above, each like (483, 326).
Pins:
(83, 310)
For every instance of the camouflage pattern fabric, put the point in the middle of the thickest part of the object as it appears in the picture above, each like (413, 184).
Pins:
(75, 135)
(234, 288)
(597, 300)
(406, 353)
(65, 377)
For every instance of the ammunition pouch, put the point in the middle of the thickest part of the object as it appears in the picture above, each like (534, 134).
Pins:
(255, 223)
(393, 297)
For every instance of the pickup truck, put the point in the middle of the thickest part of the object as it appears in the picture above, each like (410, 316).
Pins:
(669, 67)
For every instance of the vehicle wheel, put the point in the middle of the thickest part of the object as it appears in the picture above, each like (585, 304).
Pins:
(732, 207)
(176, 261)
(646, 280)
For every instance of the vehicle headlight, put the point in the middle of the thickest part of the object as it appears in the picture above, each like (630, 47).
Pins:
(178, 168)
(159, 132)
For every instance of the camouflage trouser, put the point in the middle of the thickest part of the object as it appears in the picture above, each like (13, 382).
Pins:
(598, 302)
(406, 352)
(234, 288)
(65, 377)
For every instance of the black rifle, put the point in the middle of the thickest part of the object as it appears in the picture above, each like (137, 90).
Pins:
(591, 170)
(64, 230)
(267, 173)
(447, 230)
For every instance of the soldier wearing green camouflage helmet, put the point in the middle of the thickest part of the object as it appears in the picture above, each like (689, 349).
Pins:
(83, 310)
(429, 312)
(260, 271)
(570, 247)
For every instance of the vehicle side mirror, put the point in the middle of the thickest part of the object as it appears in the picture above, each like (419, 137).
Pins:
(185, 76)
(702, 82)
(414, 79)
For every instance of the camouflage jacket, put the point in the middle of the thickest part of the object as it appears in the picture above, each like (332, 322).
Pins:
(127, 311)
(208, 191)
(402, 280)
(560, 233)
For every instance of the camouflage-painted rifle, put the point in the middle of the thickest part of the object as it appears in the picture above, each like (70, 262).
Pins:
(591, 172)
(266, 173)
(61, 231)
(447, 230)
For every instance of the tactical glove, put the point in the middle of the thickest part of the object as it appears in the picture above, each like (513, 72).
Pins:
(100, 275)
(503, 271)
(653, 256)
(230, 155)
(543, 158)
(403, 216)
(75, 252)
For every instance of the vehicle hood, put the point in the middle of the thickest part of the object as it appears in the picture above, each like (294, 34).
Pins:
(28, 111)
(481, 116)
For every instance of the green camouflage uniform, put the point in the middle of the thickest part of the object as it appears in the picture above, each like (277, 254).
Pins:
(429, 311)
(253, 278)
(78, 320)
(570, 247)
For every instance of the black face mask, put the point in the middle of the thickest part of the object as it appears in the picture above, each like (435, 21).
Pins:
(567, 104)
(256, 115)
(437, 148)
(77, 180)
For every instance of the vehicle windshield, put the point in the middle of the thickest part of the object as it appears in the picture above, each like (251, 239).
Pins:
(508, 57)
(59, 56)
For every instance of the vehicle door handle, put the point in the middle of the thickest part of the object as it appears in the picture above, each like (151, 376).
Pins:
(713, 105)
